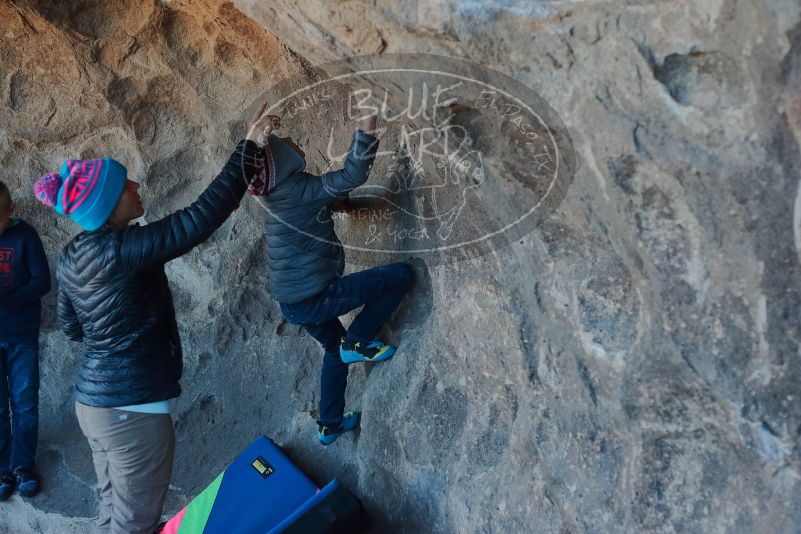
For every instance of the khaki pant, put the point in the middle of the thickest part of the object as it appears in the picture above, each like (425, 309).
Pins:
(133, 454)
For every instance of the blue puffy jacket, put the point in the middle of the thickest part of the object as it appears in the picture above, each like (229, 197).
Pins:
(303, 251)
(113, 293)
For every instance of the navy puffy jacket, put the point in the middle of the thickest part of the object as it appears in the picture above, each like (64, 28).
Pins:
(113, 293)
(303, 252)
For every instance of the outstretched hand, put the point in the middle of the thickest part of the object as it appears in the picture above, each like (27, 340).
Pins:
(368, 123)
(261, 125)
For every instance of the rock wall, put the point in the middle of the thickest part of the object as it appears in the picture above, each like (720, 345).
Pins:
(630, 365)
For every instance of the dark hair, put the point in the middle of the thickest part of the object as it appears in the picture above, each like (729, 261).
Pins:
(5, 196)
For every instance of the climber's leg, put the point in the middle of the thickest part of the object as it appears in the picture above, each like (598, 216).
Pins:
(381, 290)
(333, 381)
(334, 374)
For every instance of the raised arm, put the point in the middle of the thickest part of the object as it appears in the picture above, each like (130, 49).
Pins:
(356, 168)
(177, 233)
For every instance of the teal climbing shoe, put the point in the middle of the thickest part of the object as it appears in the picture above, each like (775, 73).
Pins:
(329, 435)
(358, 351)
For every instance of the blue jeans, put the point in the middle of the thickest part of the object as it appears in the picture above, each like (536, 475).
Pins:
(380, 290)
(19, 390)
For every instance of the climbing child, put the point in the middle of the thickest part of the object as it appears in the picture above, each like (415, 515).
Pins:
(305, 263)
(24, 280)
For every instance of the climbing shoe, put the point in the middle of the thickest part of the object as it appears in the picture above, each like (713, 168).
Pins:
(329, 435)
(27, 482)
(359, 351)
(8, 483)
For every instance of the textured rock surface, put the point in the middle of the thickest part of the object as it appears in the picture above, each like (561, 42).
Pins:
(631, 365)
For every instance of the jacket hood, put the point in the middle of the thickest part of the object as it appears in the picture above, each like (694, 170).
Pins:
(283, 158)
(280, 162)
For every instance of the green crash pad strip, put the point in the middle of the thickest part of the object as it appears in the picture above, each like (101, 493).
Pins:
(198, 511)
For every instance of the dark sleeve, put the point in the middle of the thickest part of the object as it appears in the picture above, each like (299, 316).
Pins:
(38, 284)
(352, 174)
(177, 233)
(67, 317)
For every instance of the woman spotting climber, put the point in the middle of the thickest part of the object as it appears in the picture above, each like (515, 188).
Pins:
(113, 295)
(305, 263)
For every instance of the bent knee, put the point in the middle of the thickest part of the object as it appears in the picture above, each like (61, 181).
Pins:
(406, 274)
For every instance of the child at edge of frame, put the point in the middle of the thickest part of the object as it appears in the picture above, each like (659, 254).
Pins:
(24, 280)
